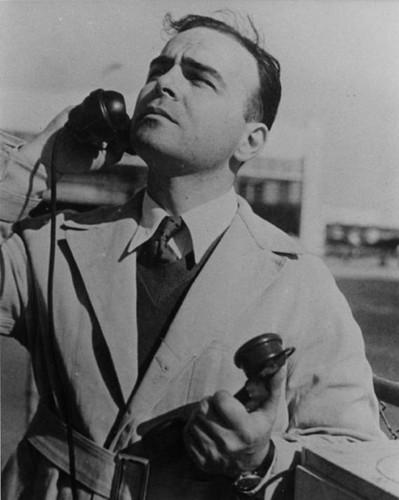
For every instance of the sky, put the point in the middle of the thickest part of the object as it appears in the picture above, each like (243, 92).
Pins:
(340, 74)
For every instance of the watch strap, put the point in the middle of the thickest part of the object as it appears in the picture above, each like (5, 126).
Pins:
(248, 484)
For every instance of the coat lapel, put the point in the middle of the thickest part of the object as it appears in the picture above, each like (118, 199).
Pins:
(239, 269)
(98, 252)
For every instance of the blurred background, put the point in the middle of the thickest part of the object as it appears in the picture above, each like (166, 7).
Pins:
(329, 174)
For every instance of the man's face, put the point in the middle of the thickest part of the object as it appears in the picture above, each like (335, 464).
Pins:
(191, 110)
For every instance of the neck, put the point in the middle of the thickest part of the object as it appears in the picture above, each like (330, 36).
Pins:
(182, 193)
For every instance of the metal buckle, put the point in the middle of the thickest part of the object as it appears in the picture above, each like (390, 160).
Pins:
(131, 477)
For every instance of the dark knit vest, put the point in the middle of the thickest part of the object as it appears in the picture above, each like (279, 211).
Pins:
(160, 292)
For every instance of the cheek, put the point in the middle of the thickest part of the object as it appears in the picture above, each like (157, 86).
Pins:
(217, 125)
(143, 98)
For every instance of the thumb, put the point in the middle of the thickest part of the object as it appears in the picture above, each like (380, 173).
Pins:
(275, 386)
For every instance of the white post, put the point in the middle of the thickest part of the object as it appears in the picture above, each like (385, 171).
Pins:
(312, 227)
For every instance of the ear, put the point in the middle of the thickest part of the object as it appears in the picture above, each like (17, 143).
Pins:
(252, 142)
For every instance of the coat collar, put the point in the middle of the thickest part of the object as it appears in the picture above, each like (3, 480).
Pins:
(266, 235)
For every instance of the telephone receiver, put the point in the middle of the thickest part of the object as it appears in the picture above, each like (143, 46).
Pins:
(260, 358)
(100, 118)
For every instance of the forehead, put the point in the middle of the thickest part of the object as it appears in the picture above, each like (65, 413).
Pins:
(218, 50)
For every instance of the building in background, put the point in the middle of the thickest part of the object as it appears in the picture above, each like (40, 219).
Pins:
(284, 185)
(274, 189)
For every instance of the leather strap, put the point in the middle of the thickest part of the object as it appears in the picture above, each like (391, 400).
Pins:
(96, 467)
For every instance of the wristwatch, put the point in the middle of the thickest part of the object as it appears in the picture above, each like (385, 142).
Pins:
(248, 483)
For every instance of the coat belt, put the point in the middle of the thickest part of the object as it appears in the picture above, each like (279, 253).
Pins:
(96, 468)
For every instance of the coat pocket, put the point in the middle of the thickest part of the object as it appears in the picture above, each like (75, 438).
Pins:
(213, 370)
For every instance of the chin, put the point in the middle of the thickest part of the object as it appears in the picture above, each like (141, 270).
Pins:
(151, 137)
(151, 142)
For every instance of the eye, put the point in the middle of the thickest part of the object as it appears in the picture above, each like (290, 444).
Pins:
(204, 81)
(199, 79)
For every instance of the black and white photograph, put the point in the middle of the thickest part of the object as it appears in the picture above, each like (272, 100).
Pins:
(199, 249)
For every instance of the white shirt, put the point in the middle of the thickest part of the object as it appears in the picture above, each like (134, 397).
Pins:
(205, 223)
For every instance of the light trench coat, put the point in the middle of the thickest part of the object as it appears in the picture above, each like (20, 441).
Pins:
(257, 280)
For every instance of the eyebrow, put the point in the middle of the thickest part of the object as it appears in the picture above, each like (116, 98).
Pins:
(190, 63)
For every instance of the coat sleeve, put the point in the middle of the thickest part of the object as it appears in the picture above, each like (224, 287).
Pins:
(330, 396)
(21, 182)
(21, 187)
(15, 288)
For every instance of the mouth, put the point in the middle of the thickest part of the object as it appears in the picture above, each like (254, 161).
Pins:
(153, 110)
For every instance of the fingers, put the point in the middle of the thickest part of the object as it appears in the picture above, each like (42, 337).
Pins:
(200, 447)
(222, 437)
(208, 423)
(223, 421)
(203, 438)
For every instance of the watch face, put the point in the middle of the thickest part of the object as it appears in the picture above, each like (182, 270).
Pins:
(247, 482)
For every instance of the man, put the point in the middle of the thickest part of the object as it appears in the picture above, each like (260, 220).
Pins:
(135, 343)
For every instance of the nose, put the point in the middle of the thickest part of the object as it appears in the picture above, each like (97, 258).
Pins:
(169, 83)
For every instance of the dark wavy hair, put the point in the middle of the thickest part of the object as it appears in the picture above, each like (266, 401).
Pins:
(264, 104)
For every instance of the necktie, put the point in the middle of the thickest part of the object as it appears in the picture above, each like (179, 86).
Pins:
(156, 250)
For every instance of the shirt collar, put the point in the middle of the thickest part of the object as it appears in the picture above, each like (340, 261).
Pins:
(205, 222)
